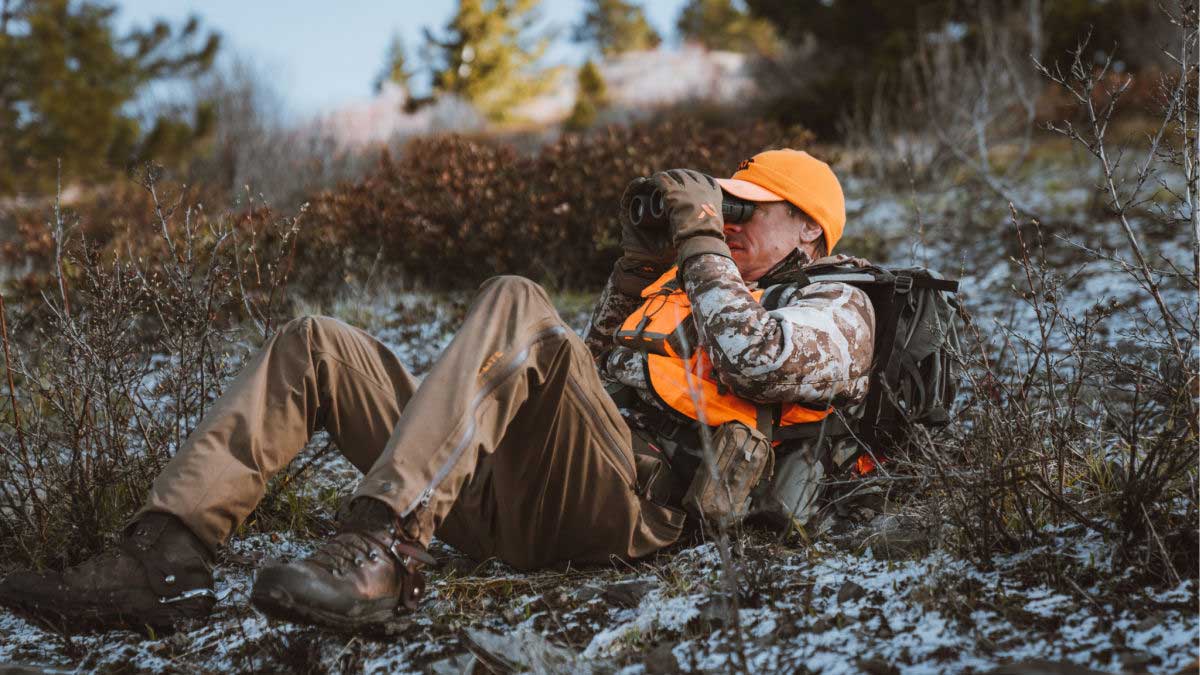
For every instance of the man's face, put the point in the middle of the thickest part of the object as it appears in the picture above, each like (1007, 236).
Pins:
(761, 242)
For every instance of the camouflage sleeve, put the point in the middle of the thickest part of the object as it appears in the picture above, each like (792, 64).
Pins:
(626, 366)
(610, 312)
(815, 348)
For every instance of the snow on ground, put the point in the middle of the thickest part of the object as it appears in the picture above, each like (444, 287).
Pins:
(834, 607)
(939, 230)
(633, 82)
(824, 609)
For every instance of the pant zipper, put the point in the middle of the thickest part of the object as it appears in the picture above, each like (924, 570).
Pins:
(510, 367)
(611, 445)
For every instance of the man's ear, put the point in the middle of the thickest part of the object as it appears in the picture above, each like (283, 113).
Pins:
(810, 231)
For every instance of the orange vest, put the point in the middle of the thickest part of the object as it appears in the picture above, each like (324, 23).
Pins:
(687, 384)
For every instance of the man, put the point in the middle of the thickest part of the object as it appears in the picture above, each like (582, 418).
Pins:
(511, 447)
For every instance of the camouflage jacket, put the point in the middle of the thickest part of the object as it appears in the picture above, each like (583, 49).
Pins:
(816, 347)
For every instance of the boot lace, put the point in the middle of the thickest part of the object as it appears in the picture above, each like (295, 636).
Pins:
(349, 549)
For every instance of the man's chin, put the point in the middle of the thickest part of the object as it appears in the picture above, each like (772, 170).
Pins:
(739, 259)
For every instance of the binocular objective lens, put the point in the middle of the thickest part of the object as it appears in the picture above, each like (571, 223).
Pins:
(637, 210)
(658, 204)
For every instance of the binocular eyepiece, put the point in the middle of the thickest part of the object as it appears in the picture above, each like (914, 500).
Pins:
(649, 209)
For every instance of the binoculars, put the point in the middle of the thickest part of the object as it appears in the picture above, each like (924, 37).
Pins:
(649, 209)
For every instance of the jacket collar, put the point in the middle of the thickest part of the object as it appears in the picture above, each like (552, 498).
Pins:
(788, 270)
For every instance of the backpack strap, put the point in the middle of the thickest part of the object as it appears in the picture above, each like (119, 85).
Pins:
(770, 298)
(901, 285)
(933, 283)
(834, 428)
(764, 420)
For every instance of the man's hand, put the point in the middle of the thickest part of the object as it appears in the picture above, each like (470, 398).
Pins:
(647, 251)
(694, 207)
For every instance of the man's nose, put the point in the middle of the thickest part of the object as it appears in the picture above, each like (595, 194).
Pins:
(732, 228)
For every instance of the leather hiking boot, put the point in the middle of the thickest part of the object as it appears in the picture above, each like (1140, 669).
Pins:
(161, 573)
(362, 576)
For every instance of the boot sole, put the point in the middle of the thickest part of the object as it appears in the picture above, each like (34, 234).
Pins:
(279, 604)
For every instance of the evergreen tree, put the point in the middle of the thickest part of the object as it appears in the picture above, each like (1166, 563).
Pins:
(863, 42)
(880, 34)
(488, 56)
(616, 26)
(719, 24)
(395, 66)
(591, 98)
(66, 79)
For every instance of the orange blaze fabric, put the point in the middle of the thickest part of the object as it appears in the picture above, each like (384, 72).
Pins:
(864, 465)
(687, 384)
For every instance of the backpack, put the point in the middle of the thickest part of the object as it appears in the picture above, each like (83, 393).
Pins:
(914, 375)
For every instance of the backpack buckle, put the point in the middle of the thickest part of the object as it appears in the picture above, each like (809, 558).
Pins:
(904, 284)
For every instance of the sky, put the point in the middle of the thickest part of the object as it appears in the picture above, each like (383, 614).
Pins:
(321, 55)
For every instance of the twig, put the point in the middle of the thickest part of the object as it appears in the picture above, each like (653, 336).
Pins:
(1098, 123)
(57, 233)
(12, 390)
(730, 575)
(1162, 549)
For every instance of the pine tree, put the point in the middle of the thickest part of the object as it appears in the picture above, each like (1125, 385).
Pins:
(879, 34)
(395, 66)
(864, 42)
(615, 26)
(65, 80)
(718, 24)
(488, 56)
(591, 98)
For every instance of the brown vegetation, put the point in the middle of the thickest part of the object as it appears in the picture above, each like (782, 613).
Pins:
(1086, 417)
(452, 211)
(129, 339)
(138, 326)
(445, 211)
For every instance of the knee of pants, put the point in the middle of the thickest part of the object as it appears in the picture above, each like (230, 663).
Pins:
(296, 329)
(513, 286)
(310, 327)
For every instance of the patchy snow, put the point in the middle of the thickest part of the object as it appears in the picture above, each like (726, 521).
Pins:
(926, 615)
(826, 608)
(655, 613)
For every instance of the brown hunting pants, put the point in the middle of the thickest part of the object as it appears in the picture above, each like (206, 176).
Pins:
(509, 448)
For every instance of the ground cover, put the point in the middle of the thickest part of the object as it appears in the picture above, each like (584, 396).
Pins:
(854, 605)
(890, 589)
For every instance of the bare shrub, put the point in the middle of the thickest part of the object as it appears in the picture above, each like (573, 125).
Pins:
(961, 101)
(118, 364)
(1088, 416)
(253, 147)
(453, 114)
(451, 211)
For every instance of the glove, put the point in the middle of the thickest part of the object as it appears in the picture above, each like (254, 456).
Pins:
(694, 208)
(647, 252)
